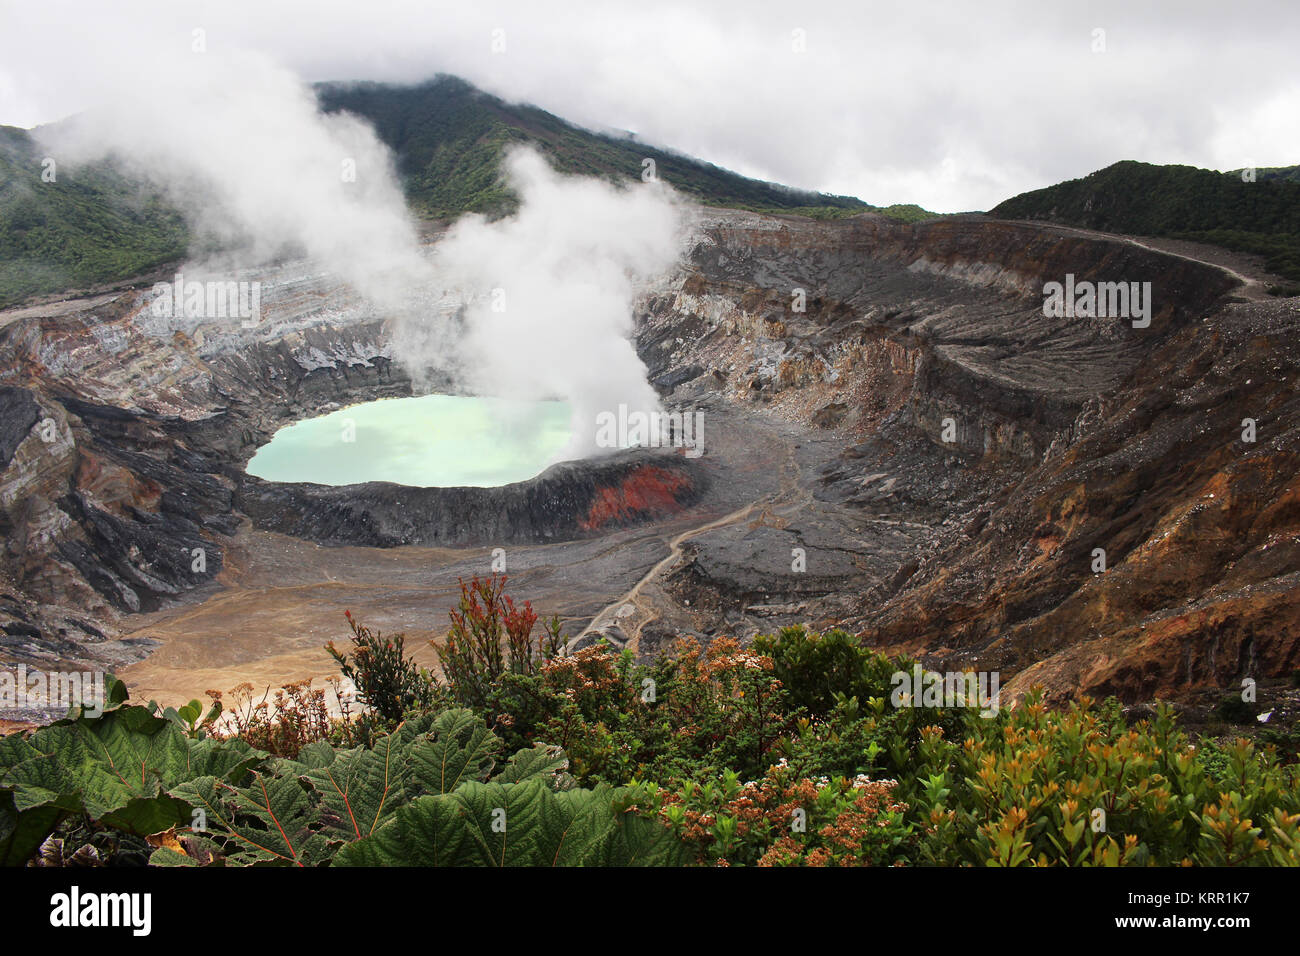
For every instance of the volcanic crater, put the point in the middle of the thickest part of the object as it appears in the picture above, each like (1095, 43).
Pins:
(915, 452)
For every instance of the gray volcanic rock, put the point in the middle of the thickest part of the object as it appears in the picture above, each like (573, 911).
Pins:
(18, 413)
(568, 500)
(952, 306)
(898, 440)
(989, 449)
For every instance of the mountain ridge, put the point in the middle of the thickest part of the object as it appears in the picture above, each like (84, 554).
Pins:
(97, 225)
(448, 137)
(1178, 202)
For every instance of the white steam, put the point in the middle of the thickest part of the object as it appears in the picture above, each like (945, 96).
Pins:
(238, 143)
(541, 302)
(553, 286)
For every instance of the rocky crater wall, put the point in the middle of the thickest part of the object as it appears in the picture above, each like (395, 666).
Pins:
(945, 315)
(123, 441)
(1071, 435)
(124, 436)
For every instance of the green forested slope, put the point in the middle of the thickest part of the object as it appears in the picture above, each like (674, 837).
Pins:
(96, 225)
(90, 225)
(449, 138)
(1180, 202)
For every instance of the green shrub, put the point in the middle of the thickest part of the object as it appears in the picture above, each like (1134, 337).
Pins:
(818, 669)
(1236, 710)
(489, 640)
(787, 820)
(1081, 788)
(387, 681)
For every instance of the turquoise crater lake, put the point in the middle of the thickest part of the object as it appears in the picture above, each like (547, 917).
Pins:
(430, 441)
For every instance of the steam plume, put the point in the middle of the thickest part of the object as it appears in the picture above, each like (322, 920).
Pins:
(541, 302)
(554, 288)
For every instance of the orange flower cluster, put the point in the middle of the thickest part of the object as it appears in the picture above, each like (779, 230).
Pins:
(774, 820)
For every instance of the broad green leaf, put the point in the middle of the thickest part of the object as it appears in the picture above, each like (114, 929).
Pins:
(230, 760)
(640, 841)
(21, 834)
(344, 796)
(516, 824)
(318, 753)
(512, 824)
(269, 821)
(101, 767)
(428, 831)
(166, 856)
(117, 768)
(457, 748)
(360, 787)
(14, 749)
(540, 760)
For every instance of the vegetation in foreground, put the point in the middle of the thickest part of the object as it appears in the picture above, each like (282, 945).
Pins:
(787, 753)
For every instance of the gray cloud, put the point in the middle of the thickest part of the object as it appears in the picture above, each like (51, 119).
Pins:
(952, 105)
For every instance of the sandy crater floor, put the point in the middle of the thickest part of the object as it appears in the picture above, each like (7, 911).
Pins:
(283, 598)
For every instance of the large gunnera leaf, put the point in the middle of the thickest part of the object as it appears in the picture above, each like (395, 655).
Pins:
(358, 788)
(274, 820)
(116, 767)
(302, 811)
(455, 748)
(515, 824)
(545, 762)
(299, 811)
(22, 834)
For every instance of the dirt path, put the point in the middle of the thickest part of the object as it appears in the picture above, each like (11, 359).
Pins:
(629, 603)
(1252, 288)
(788, 498)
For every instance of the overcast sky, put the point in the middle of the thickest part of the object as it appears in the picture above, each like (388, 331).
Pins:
(953, 105)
